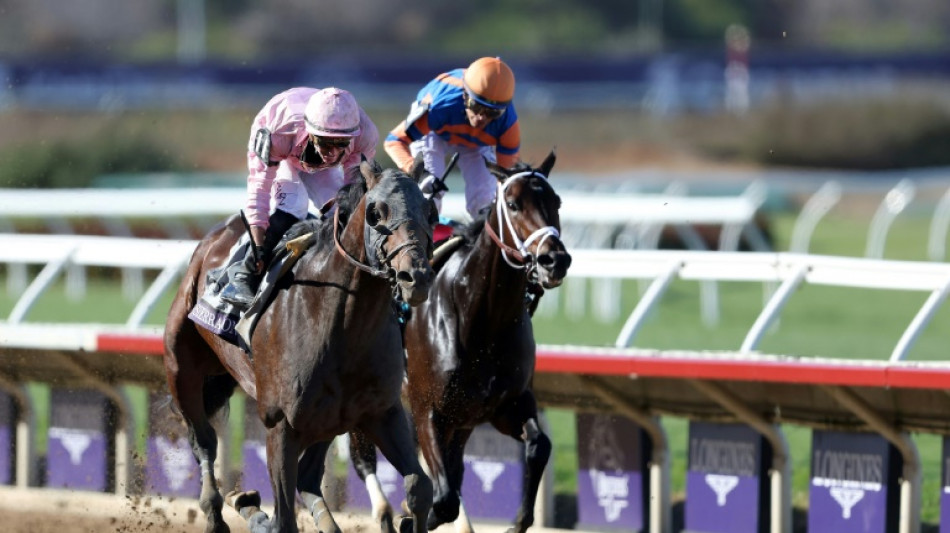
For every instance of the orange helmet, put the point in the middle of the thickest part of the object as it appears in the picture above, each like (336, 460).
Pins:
(489, 81)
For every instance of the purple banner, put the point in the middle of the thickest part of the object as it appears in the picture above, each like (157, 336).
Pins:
(255, 475)
(80, 441)
(610, 479)
(945, 487)
(170, 468)
(854, 484)
(7, 444)
(494, 467)
(726, 491)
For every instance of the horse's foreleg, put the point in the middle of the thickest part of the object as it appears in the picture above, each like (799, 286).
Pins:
(309, 477)
(282, 453)
(521, 422)
(440, 447)
(392, 435)
(363, 456)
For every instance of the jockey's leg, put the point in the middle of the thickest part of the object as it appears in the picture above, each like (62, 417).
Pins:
(243, 275)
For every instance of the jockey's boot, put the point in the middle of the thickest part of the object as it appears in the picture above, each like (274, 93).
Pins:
(243, 274)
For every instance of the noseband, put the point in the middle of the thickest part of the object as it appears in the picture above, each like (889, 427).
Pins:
(521, 256)
(388, 272)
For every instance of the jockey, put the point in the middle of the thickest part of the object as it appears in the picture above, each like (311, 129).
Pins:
(468, 111)
(305, 144)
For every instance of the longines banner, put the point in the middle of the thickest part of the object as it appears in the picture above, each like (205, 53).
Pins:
(612, 454)
(727, 488)
(170, 468)
(854, 483)
(80, 442)
(7, 421)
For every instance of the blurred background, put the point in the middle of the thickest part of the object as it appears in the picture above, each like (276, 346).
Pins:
(97, 87)
(638, 96)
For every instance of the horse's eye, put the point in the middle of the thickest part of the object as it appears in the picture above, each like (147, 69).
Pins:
(512, 206)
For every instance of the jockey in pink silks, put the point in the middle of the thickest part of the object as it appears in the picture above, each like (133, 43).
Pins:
(305, 144)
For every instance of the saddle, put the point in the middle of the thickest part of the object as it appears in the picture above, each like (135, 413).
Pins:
(227, 321)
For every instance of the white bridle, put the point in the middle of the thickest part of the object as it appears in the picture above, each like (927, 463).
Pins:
(501, 208)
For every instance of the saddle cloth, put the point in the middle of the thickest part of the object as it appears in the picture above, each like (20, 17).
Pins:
(212, 313)
(227, 321)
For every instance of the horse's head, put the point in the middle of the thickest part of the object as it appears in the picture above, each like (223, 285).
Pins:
(398, 230)
(526, 213)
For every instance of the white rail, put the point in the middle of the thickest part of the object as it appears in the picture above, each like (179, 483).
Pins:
(55, 253)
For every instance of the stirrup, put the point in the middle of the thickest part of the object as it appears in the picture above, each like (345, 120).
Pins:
(236, 297)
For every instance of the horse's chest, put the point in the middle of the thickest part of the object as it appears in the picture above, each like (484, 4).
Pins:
(492, 385)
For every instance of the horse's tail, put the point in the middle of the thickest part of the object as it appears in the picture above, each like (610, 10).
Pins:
(217, 391)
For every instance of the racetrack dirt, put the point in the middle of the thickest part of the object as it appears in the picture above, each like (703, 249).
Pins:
(62, 511)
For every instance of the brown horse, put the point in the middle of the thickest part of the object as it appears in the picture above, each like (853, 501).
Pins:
(327, 355)
(471, 349)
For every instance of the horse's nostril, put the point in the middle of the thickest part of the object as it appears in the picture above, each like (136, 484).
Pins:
(546, 261)
(404, 276)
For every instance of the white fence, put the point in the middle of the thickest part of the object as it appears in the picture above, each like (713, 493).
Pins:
(787, 271)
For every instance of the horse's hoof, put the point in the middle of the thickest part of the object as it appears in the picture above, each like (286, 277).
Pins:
(217, 527)
(239, 500)
(386, 524)
(323, 519)
(406, 524)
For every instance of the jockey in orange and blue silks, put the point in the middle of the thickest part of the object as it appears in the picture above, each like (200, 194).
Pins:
(468, 111)
(305, 144)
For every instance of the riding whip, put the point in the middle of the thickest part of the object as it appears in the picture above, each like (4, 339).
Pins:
(247, 227)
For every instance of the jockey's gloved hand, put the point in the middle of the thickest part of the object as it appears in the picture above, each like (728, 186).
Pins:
(432, 186)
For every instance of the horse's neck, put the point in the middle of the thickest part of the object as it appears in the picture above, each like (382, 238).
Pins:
(504, 286)
(367, 290)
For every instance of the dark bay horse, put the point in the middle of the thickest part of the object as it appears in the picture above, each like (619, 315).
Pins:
(471, 349)
(326, 355)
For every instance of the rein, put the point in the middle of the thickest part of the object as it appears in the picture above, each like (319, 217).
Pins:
(386, 273)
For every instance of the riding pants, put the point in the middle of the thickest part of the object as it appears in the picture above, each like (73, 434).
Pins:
(297, 192)
(480, 184)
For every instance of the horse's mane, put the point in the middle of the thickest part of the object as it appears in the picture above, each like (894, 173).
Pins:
(347, 198)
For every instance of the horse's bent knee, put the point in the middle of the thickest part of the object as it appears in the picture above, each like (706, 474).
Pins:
(418, 491)
(538, 452)
(444, 509)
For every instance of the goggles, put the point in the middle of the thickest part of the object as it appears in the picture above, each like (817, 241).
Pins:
(331, 142)
(491, 113)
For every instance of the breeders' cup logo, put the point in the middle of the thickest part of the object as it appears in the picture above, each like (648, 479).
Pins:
(612, 492)
(76, 442)
(177, 461)
(722, 485)
(847, 498)
(611, 484)
(487, 472)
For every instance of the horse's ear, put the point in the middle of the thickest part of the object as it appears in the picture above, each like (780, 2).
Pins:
(418, 168)
(500, 173)
(370, 173)
(548, 164)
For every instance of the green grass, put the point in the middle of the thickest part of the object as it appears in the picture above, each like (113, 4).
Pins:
(818, 321)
